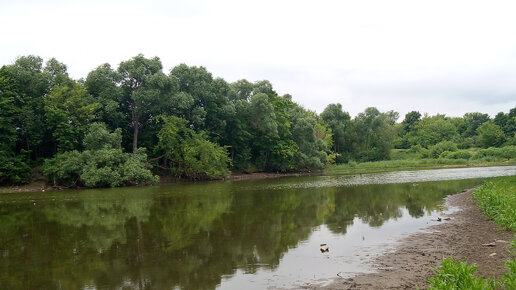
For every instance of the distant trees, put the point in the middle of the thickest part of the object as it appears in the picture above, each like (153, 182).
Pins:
(490, 135)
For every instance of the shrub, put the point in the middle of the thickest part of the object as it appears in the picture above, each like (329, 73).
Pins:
(64, 169)
(466, 143)
(506, 152)
(460, 154)
(437, 149)
(189, 153)
(14, 169)
(103, 164)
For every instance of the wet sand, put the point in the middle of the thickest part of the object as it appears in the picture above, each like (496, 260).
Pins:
(417, 255)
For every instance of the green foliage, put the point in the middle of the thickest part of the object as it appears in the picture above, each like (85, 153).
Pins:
(458, 275)
(44, 112)
(188, 153)
(509, 278)
(507, 122)
(436, 150)
(473, 121)
(64, 169)
(14, 169)
(497, 199)
(98, 138)
(374, 132)
(146, 91)
(103, 164)
(460, 154)
(410, 121)
(491, 135)
(508, 152)
(339, 122)
(68, 112)
(432, 130)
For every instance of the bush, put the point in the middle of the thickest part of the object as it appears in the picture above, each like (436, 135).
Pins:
(466, 143)
(352, 164)
(189, 153)
(437, 149)
(99, 166)
(64, 169)
(506, 152)
(14, 169)
(460, 154)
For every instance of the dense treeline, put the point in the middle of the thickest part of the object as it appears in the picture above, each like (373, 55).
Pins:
(120, 124)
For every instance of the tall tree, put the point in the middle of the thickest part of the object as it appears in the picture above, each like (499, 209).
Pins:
(338, 121)
(432, 130)
(68, 110)
(490, 134)
(473, 121)
(146, 91)
(103, 84)
(375, 131)
(411, 118)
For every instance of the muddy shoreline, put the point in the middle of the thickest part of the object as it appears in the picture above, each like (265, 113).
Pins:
(41, 184)
(417, 255)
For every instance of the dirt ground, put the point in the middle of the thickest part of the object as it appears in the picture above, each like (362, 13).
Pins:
(417, 255)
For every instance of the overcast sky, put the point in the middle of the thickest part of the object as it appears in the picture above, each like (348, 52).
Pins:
(449, 57)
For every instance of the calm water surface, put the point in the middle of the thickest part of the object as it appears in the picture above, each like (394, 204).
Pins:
(227, 235)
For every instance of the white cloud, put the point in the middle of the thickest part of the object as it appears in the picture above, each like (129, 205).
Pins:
(433, 56)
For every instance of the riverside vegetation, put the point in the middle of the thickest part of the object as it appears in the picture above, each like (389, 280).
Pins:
(130, 124)
(497, 200)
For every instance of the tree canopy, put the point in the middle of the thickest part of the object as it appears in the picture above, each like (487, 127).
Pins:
(190, 124)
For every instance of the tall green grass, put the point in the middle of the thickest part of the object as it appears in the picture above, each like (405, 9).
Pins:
(497, 200)
(419, 158)
(458, 275)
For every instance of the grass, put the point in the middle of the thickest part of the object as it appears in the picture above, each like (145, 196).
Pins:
(497, 200)
(458, 275)
(402, 159)
(391, 165)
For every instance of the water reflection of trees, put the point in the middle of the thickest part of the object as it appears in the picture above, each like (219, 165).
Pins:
(189, 238)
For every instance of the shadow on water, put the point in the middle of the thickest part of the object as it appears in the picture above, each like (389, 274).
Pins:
(251, 234)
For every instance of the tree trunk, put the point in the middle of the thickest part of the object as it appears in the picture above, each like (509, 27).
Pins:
(136, 127)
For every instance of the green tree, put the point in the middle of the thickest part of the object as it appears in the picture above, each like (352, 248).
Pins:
(14, 167)
(210, 108)
(338, 121)
(411, 118)
(187, 153)
(473, 121)
(432, 130)
(102, 164)
(31, 84)
(376, 134)
(490, 134)
(102, 84)
(68, 111)
(147, 91)
(312, 151)
(507, 122)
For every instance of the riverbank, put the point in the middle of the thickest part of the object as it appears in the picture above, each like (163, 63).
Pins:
(462, 237)
(40, 184)
(401, 165)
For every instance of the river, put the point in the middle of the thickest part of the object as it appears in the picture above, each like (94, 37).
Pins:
(229, 235)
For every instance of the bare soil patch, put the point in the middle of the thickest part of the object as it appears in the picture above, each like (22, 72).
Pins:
(416, 256)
